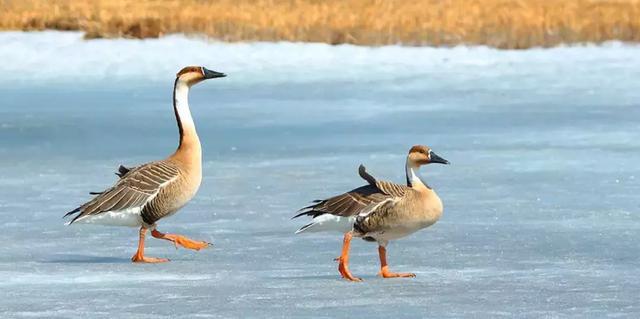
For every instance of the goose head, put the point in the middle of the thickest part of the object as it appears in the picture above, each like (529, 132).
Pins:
(423, 155)
(191, 75)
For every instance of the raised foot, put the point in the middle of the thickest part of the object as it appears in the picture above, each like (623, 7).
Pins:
(188, 243)
(150, 260)
(180, 240)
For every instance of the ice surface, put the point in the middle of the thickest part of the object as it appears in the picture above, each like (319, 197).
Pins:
(541, 199)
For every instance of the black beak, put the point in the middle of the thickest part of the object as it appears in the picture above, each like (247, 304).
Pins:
(434, 158)
(208, 74)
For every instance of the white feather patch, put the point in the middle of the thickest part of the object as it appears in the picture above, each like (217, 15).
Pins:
(328, 222)
(128, 217)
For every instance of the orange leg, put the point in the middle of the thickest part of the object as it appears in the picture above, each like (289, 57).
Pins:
(139, 256)
(179, 240)
(343, 266)
(384, 268)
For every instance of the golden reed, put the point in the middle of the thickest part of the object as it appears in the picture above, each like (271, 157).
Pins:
(509, 24)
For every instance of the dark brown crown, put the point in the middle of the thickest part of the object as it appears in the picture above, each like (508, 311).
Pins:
(189, 69)
(419, 149)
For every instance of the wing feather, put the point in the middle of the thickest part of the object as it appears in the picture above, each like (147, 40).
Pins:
(136, 187)
(360, 201)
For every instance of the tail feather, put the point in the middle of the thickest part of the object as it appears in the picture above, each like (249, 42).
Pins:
(300, 214)
(309, 210)
(122, 171)
(303, 228)
(323, 221)
(71, 212)
(77, 210)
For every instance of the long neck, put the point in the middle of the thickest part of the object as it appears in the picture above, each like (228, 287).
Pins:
(412, 178)
(189, 141)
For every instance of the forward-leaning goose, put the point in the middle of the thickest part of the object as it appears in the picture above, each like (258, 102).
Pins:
(380, 211)
(149, 192)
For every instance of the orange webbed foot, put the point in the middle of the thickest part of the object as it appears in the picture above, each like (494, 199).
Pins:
(150, 260)
(386, 273)
(343, 260)
(384, 267)
(190, 244)
(345, 273)
(139, 255)
(180, 240)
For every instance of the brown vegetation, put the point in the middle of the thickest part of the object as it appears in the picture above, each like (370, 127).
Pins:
(499, 23)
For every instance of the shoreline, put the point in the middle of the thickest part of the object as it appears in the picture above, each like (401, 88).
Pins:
(32, 58)
(203, 38)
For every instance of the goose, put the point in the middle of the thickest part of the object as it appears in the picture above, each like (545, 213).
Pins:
(147, 193)
(379, 211)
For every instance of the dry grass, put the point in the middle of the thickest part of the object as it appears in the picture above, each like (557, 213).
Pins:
(499, 23)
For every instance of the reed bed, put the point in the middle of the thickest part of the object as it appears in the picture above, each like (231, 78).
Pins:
(508, 24)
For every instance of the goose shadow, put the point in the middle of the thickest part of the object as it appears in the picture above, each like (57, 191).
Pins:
(321, 277)
(85, 259)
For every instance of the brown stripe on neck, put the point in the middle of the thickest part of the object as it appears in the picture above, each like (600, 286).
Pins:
(175, 110)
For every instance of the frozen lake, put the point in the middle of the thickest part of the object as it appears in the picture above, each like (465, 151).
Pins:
(541, 200)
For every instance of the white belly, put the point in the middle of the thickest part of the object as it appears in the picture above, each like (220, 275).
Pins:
(129, 217)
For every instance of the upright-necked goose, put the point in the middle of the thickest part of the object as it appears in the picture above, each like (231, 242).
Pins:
(149, 192)
(380, 211)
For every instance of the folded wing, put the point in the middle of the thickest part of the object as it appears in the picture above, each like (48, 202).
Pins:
(360, 201)
(135, 188)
